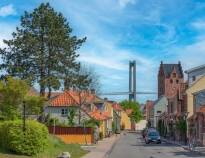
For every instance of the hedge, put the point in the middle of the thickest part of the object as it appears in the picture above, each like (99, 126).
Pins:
(29, 142)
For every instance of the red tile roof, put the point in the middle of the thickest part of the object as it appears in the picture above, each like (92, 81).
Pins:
(98, 115)
(71, 98)
(201, 109)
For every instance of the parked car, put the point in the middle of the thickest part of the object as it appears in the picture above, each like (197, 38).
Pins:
(147, 130)
(152, 136)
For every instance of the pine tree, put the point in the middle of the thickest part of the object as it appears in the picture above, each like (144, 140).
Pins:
(42, 49)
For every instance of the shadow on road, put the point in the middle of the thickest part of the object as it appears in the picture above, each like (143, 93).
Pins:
(188, 154)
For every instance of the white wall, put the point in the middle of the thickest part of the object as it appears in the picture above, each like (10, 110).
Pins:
(141, 125)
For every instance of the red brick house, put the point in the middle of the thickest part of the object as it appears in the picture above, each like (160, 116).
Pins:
(171, 84)
(170, 76)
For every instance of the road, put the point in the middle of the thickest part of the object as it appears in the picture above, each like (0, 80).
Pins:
(132, 145)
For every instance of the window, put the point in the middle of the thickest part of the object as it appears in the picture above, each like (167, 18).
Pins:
(171, 107)
(193, 78)
(199, 99)
(177, 81)
(158, 112)
(174, 75)
(171, 81)
(64, 112)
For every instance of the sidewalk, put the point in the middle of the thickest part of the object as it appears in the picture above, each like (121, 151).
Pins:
(199, 150)
(102, 149)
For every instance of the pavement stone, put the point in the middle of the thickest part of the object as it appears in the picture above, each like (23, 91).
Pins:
(199, 150)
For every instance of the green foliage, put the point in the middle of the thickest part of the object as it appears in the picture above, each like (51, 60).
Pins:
(42, 49)
(13, 93)
(136, 114)
(181, 125)
(114, 126)
(29, 142)
(34, 105)
(54, 148)
(92, 123)
(161, 128)
(71, 116)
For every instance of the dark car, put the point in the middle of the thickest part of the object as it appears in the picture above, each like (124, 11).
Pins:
(152, 136)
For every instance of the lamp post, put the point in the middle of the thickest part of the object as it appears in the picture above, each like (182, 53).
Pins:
(24, 117)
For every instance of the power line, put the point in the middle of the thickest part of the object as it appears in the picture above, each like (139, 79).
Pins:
(127, 93)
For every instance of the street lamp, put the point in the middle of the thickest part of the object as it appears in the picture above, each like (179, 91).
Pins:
(24, 117)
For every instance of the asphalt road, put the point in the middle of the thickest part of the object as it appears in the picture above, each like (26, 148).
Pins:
(132, 145)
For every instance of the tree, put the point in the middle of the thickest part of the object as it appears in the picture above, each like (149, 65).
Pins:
(80, 84)
(42, 49)
(93, 77)
(13, 92)
(181, 126)
(71, 116)
(136, 114)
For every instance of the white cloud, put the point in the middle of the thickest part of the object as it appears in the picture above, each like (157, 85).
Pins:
(124, 3)
(6, 31)
(200, 24)
(191, 55)
(7, 10)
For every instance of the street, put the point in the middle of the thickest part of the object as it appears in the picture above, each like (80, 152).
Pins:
(132, 145)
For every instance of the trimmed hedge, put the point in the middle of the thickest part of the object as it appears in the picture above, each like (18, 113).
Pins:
(31, 142)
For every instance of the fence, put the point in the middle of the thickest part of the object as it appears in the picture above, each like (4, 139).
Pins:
(79, 135)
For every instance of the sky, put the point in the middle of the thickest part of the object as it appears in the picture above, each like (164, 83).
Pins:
(118, 31)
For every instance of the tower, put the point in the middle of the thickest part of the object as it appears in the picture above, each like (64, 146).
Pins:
(132, 81)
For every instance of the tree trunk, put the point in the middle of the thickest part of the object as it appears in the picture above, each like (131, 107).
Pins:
(49, 92)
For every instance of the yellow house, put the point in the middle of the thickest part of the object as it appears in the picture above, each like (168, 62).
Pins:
(125, 120)
(103, 112)
(196, 87)
(196, 109)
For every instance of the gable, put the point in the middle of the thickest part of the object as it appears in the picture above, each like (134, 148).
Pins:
(169, 68)
(197, 86)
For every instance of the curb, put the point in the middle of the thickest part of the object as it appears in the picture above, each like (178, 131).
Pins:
(185, 148)
(110, 150)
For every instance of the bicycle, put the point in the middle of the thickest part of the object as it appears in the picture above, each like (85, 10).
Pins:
(192, 145)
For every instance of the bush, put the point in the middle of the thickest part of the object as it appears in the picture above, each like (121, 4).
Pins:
(34, 140)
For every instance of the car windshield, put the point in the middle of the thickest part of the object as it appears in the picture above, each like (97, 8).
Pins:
(153, 134)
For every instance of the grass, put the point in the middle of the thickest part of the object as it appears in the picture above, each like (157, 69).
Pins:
(55, 148)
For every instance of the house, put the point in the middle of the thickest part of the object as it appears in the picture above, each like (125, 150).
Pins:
(195, 73)
(60, 105)
(170, 76)
(196, 110)
(159, 107)
(103, 112)
(117, 109)
(150, 112)
(125, 119)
